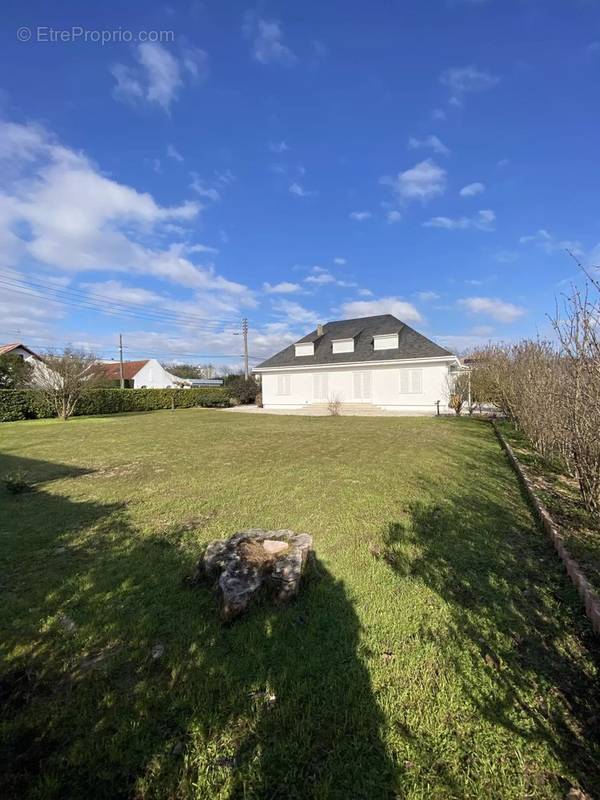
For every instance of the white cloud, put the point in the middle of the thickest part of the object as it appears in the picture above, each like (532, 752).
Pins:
(484, 221)
(299, 191)
(159, 75)
(278, 147)
(432, 142)
(267, 41)
(285, 287)
(339, 261)
(466, 80)
(550, 244)
(322, 277)
(120, 293)
(360, 216)
(365, 293)
(472, 189)
(438, 114)
(294, 312)
(393, 216)
(174, 153)
(493, 307)
(201, 189)
(72, 218)
(422, 182)
(385, 305)
(427, 296)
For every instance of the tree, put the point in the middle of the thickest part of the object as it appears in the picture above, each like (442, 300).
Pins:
(63, 378)
(15, 372)
(184, 370)
(245, 391)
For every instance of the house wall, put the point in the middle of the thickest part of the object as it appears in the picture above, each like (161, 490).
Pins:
(341, 383)
(154, 376)
(40, 370)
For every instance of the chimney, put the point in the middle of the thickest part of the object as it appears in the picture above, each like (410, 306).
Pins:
(319, 330)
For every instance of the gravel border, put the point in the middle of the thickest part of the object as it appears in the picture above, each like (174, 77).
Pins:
(588, 596)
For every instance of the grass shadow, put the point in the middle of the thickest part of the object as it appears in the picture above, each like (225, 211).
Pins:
(119, 681)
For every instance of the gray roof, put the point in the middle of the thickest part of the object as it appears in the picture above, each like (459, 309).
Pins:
(411, 344)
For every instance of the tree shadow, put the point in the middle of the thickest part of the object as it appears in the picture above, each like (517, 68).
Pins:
(515, 614)
(119, 681)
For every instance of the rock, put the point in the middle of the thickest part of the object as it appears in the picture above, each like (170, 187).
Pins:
(157, 651)
(272, 546)
(254, 558)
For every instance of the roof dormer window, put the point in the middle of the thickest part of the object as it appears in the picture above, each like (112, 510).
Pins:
(385, 341)
(305, 349)
(342, 345)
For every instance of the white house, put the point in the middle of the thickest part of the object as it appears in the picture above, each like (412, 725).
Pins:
(146, 374)
(22, 351)
(375, 361)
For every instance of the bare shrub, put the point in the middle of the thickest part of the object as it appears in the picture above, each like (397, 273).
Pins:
(551, 390)
(578, 331)
(458, 391)
(334, 406)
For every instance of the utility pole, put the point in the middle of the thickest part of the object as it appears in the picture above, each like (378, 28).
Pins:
(121, 379)
(245, 334)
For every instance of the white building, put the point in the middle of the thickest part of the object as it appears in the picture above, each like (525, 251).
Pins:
(22, 351)
(146, 374)
(374, 361)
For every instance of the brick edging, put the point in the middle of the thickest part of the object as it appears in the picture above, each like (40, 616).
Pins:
(588, 596)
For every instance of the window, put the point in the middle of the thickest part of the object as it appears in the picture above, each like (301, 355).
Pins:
(385, 341)
(284, 384)
(320, 386)
(343, 345)
(362, 385)
(305, 349)
(411, 381)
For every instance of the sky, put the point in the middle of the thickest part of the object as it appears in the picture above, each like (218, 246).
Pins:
(168, 169)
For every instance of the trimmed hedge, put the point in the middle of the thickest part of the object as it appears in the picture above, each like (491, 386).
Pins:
(31, 404)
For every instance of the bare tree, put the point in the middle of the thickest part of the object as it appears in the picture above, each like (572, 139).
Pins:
(578, 331)
(63, 378)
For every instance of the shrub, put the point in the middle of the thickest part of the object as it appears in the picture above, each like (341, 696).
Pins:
(244, 391)
(32, 404)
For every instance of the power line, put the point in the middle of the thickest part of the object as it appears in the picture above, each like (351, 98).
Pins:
(78, 299)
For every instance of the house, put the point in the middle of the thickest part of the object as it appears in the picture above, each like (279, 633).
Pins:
(19, 349)
(374, 361)
(146, 374)
(24, 352)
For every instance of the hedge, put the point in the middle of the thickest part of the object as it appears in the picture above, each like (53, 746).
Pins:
(32, 404)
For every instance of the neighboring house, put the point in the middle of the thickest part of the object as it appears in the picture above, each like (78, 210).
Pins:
(377, 361)
(146, 374)
(21, 350)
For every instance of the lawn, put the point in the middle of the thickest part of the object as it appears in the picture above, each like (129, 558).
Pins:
(437, 649)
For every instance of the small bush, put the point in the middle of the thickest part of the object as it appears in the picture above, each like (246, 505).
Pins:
(32, 404)
(244, 391)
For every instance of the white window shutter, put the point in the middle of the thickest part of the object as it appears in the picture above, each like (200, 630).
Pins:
(357, 386)
(404, 381)
(325, 385)
(417, 381)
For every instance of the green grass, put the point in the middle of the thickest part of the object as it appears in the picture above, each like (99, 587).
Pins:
(437, 650)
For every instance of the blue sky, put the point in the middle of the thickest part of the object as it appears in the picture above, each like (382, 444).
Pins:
(293, 163)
